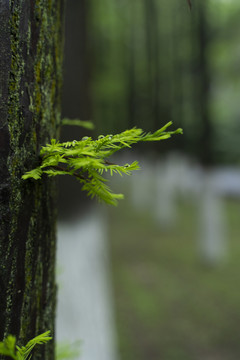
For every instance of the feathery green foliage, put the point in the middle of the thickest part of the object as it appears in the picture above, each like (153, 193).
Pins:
(9, 348)
(87, 159)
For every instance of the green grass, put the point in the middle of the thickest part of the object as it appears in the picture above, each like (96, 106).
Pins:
(169, 304)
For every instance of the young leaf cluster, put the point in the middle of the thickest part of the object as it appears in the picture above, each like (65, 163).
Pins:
(87, 159)
(9, 348)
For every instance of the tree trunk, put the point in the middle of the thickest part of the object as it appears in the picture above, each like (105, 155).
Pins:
(204, 130)
(30, 75)
(206, 138)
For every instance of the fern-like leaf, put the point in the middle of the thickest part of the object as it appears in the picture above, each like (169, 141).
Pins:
(35, 174)
(25, 351)
(87, 159)
(9, 348)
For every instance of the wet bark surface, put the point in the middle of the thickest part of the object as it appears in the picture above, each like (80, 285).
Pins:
(30, 89)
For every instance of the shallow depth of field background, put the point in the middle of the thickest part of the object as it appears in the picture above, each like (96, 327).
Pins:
(157, 277)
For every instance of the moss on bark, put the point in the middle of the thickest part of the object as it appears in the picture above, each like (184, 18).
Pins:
(30, 74)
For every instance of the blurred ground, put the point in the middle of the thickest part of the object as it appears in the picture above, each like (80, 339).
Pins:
(174, 266)
(172, 301)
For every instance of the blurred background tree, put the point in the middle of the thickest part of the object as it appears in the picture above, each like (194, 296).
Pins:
(147, 62)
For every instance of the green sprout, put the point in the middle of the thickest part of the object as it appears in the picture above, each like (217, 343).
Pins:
(9, 348)
(87, 160)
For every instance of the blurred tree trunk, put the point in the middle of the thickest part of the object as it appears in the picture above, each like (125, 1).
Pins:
(76, 101)
(77, 62)
(178, 72)
(132, 95)
(201, 41)
(152, 47)
(30, 75)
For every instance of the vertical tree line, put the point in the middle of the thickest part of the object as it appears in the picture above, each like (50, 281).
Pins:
(162, 48)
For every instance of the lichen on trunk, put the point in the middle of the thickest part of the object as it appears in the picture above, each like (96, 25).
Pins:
(31, 37)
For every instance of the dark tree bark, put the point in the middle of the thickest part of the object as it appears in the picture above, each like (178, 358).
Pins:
(30, 75)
